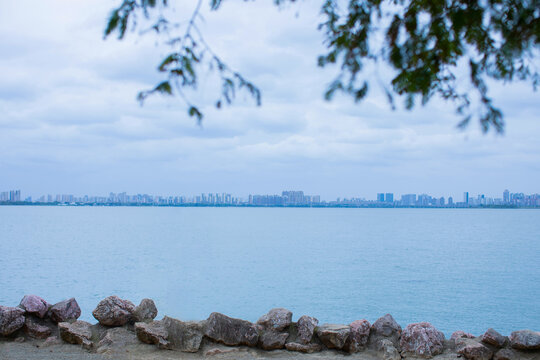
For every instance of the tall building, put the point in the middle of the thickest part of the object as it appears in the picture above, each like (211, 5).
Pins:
(450, 201)
(466, 197)
(380, 197)
(506, 196)
(408, 199)
(389, 197)
(293, 197)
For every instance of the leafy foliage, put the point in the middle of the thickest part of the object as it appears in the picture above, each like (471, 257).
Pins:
(426, 42)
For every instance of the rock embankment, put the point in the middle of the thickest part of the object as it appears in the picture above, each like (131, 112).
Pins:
(121, 323)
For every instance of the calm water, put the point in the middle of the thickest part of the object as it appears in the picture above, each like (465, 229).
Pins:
(458, 269)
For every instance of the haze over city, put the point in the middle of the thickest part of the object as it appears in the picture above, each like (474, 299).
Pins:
(70, 122)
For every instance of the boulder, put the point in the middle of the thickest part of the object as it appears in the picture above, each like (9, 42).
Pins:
(422, 339)
(36, 330)
(153, 333)
(305, 348)
(276, 319)
(358, 336)
(65, 311)
(306, 328)
(385, 328)
(334, 336)
(116, 340)
(78, 332)
(33, 304)
(492, 337)
(11, 319)
(184, 336)
(146, 311)
(473, 350)
(272, 340)
(505, 354)
(230, 331)
(525, 340)
(113, 311)
(461, 334)
(388, 350)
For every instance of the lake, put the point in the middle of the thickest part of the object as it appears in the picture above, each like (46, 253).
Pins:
(460, 269)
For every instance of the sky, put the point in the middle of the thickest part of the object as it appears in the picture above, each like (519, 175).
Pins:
(70, 122)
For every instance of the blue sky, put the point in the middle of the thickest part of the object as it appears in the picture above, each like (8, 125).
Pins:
(70, 123)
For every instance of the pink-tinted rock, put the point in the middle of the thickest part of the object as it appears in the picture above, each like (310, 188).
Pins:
(505, 354)
(306, 328)
(185, 336)
(153, 333)
(334, 336)
(65, 311)
(422, 339)
(276, 319)
(525, 340)
(461, 334)
(359, 335)
(492, 337)
(230, 331)
(36, 330)
(146, 311)
(11, 319)
(385, 328)
(472, 350)
(33, 304)
(305, 348)
(113, 311)
(272, 340)
(78, 332)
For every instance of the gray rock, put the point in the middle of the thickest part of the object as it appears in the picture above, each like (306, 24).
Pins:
(33, 304)
(230, 331)
(492, 337)
(505, 354)
(153, 333)
(305, 348)
(385, 328)
(472, 350)
(116, 341)
(388, 350)
(276, 319)
(36, 330)
(65, 311)
(11, 319)
(333, 336)
(50, 341)
(306, 328)
(272, 340)
(461, 334)
(358, 336)
(78, 332)
(113, 311)
(422, 339)
(146, 311)
(525, 340)
(184, 336)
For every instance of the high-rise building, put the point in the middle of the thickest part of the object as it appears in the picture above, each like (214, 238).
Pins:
(389, 197)
(380, 197)
(466, 197)
(408, 199)
(506, 196)
(450, 200)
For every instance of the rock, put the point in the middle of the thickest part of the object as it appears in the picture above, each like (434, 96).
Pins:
(184, 336)
(525, 340)
(113, 311)
(385, 328)
(218, 351)
(505, 354)
(422, 339)
(305, 348)
(65, 311)
(116, 340)
(492, 337)
(51, 340)
(306, 328)
(358, 336)
(78, 332)
(461, 334)
(153, 333)
(272, 340)
(230, 331)
(35, 329)
(19, 339)
(333, 336)
(472, 349)
(388, 350)
(276, 319)
(33, 304)
(11, 319)
(146, 311)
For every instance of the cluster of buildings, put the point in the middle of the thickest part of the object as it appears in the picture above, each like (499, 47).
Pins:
(287, 198)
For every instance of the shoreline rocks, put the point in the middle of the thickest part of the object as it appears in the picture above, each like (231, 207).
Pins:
(113, 311)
